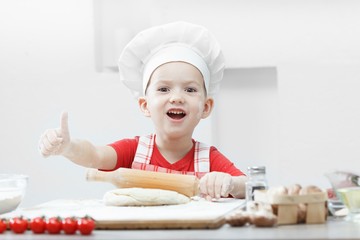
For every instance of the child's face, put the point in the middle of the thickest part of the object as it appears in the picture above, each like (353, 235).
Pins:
(176, 99)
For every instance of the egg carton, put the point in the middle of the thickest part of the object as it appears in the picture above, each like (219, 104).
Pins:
(293, 209)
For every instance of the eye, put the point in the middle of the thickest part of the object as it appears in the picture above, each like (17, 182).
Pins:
(190, 89)
(163, 89)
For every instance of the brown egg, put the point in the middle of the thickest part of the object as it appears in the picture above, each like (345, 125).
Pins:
(301, 215)
(281, 190)
(294, 189)
(309, 189)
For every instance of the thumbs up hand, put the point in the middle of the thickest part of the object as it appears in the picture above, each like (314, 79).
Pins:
(56, 141)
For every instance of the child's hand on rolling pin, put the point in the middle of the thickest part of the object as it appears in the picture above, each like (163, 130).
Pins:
(215, 185)
(55, 141)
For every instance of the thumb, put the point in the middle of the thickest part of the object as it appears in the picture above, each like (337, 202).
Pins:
(64, 126)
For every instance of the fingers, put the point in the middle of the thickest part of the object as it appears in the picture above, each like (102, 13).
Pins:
(64, 126)
(50, 143)
(207, 185)
(54, 141)
(215, 185)
(226, 186)
(203, 185)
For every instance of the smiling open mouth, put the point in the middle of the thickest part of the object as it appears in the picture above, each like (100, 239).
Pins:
(176, 114)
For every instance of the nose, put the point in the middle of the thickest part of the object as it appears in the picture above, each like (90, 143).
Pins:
(176, 97)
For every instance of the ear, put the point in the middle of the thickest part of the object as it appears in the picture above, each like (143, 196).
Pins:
(208, 107)
(143, 106)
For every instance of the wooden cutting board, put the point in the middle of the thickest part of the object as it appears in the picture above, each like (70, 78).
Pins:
(196, 214)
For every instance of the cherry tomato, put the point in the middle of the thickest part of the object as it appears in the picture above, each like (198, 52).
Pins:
(54, 225)
(69, 225)
(18, 224)
(38, 225)
(3, 225)
(86, 225)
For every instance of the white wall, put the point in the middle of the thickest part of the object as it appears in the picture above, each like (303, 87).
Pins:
(246, 117)
(319, 120)
(47, 64)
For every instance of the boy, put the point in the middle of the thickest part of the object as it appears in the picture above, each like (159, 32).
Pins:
(173, 70)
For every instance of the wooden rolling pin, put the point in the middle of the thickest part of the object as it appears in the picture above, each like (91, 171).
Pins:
(127, 178)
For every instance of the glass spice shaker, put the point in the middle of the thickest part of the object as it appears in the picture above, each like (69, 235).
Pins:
(256, 181)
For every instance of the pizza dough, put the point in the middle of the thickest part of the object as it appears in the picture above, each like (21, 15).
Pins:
(143, 197)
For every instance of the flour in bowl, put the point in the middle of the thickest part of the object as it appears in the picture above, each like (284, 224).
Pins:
(9, 199)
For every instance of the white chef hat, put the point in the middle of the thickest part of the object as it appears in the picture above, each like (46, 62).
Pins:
(178, 41)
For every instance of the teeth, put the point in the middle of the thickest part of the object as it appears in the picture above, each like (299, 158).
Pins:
(176, 112)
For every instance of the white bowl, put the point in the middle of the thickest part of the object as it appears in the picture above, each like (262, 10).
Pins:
(12, 191)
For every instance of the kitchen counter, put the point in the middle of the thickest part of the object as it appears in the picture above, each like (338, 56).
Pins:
(197, 215)
(332, 229)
